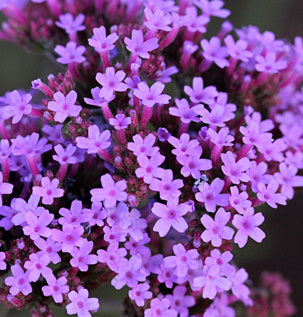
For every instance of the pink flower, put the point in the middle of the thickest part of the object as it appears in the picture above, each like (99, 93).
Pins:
(149, 168)
(95, 141)
(167, 187)
(214, 52)
(235, 170)
(55, 288)
(82, 257)
(151, 96)
(129, 273)
(38, 226)
(143, 146)
(70, 54)
(19, 282)
(71, 24)
(18, 106)
(5, 188)
(65, 156)
(120, 121)
(111, 82)
(110, 193)
(171, 216)
(80, 303)
(210, 195)
(216, 229)
(101, 42)
(269, 194)
(138, 46)
(48, 190)
(247, 226)
(64, 106)
(160, 308)
(199, 94)
(182, 260)
(140, 293)
(180, 302)
(36, 266)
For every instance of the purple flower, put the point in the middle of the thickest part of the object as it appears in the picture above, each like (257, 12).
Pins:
(48, 190)
(247, 226)
(220, 306)
(269, 63)
(143, 146)
(75, 216)
(18, 106)
(213, 8)
(19, 282)
(36, 266)
(55, 288)
(269, 195)
(113, 256)
(199, 94)
(140, 293)
(95, 215)
(29, 145)
(257, 174)
(82, 257)
(95, 141)
(216, 229)
(101, 42)
(149, 168)
(220, 138)
(182, 260)
(80, 303)
(237, 50)
(151, 96)
(211, 281)
(70, 54)
(238, 288)
(214, 52)
(5, 188)
(239, 200)
(193, 21)
(50, 248)
(111, 191)
(111, 82)
(64, 106)
(160, 308)
(219, 263)
(138, 46)
(120, 121)
(69, 237)
(38, 226)
(235, 170)
(184, 111)
(183, 146)
(167, 187)
(70, 24)
(157, 20)
(210, 195)
(129, 273)
(193, 164)
(288, 179)
(171, 215)
(3, 264)
(180, 302)
(65, 156)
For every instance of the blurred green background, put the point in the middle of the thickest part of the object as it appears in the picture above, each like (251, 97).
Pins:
(282, 250)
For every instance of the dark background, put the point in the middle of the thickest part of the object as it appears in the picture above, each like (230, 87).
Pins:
(282, 250)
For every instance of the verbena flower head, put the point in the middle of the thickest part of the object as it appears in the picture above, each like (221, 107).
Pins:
(147, 160)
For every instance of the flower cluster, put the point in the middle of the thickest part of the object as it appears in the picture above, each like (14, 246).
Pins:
(148, 160)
